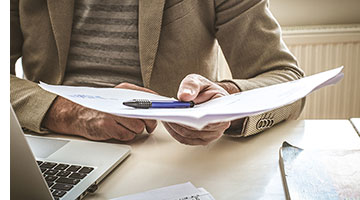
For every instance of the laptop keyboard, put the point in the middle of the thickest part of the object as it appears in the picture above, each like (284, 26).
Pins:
(61, 178)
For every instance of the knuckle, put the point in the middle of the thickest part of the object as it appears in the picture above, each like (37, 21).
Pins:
(100, 123)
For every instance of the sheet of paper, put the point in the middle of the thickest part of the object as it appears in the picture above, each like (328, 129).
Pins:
(185, 191)
(226, 108)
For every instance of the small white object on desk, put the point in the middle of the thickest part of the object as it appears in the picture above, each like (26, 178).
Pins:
(185, 191)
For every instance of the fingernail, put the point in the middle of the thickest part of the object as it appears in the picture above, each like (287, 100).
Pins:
(188, 91)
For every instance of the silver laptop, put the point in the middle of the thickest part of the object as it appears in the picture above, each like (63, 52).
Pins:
(49, 168)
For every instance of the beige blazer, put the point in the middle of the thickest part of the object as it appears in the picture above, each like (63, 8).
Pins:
(176, 38)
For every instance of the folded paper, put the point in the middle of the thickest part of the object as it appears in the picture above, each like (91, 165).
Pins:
(239, 105)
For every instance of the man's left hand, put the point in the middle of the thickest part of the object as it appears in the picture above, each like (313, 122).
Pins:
(198, 89)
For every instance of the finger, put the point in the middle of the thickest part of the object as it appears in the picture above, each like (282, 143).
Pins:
(191, 132)
(190, 87)
(217, 126)
(106, 128)
(121, 133)
(209, 127)
(196, 134)
(150, 125)
(93, 132)
(184, 140)
(210, 93)
(134, 87)
(199, 89)
(132, 124)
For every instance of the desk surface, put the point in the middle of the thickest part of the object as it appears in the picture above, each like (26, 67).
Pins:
(230, 168)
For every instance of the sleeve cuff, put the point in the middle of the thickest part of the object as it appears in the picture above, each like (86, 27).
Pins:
(259, 123)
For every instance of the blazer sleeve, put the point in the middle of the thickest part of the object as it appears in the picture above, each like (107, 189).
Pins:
(28, 100)
(251, 41)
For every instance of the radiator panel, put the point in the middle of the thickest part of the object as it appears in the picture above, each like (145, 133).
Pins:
(322, 50)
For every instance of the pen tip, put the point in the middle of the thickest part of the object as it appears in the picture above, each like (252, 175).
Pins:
(130, 104)
(138, 103)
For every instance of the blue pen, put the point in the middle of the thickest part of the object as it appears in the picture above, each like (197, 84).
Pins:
(144, 103)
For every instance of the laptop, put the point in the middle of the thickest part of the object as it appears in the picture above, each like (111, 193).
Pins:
(54, 168)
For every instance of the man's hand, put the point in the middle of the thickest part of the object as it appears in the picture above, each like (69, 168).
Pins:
(67, 117)
(199, 89)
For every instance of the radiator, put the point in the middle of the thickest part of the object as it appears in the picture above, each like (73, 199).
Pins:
(322, 48)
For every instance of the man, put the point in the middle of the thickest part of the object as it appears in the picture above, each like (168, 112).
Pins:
(168, 47)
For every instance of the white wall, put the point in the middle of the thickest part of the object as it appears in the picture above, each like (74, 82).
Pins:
(315, 12)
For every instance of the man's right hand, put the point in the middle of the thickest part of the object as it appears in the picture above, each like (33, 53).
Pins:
(67, 117)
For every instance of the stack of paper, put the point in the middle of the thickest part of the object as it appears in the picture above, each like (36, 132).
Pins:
(226, 108)
(185, 191)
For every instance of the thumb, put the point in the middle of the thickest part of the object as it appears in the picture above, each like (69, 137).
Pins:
(189, 89)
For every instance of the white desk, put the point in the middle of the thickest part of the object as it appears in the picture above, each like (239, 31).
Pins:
(231, 168)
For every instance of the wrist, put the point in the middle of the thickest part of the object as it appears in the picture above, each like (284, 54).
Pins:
(229, 86)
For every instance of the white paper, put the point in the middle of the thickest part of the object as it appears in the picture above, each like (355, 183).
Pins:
(184, 191)
(225, 108)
